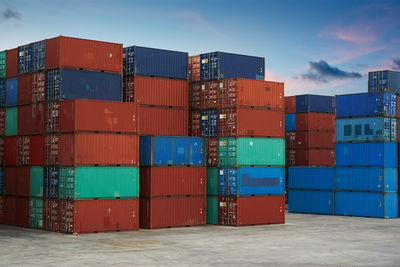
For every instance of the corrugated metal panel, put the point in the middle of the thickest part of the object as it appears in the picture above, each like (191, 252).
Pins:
(209, 123)
(24, 59)
(366, 154)
(22, 181)
(249, 181)
(11, 118)
(194, 123)
(11, 95)
(290, 122)
(50, 182)
(2, 64)
(36, 181)
(384, 81)
(31, 119)
(194, 68)
(31, 88)
(30, 150)
(379, 205)
(168, 150)
(11, 63)
(211, 151)
(212, 181)
(3, 92)
(1, 180)
(10, 181)
(36, 213)
(315, 122)
(290, 104)
(310, 157)
(310, 139)
(312, 178)
(315, 103)
(51, 215)
(2, 128)
(309, 201)
(38, 55)
(212, 210)
(16, 211)
(10, 151)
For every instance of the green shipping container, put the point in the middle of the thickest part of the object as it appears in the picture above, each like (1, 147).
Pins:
(245, 151)
(2, 64)
(212, 181)
(11, 121)
(98, 182)
(36, 213)
(36, 182)
(212, 210)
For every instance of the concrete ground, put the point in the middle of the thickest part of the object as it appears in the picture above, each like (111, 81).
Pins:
(305, 240)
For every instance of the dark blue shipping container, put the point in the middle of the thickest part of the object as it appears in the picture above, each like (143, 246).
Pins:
(38, 55)
(366, 204)
(155, 62)
(366, 154)
(11, 92)
(171, 151)
(3, 92)
(384, 81)
(24, 59)
(290, 122)
(220, 65)
(311, 178)
(73, 84)
(315, 103)
(249, 181)
(209, 123)
(365, 104)
(1, 180)
(310, 201)
(50, 182)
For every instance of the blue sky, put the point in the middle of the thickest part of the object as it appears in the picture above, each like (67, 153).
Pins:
(322, 47)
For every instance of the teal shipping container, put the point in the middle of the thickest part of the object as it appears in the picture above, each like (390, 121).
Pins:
(36, 181)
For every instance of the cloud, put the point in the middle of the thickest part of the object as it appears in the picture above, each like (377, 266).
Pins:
(322, 72)
(9, 13)
(396, 62)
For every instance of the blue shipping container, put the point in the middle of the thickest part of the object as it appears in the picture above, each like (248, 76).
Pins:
(290, 122)
(315, 103)
(311, 178)
(73, 84)
(24, 59)
(366, 154)
(365, 104)
(3, 92)
(310, 201)
(366, 179)
(384, 81)
(170, 150)
(11, 94)
(366, 129)
(366, 204)
(38, 55)
(155, 62)
(220, 65)
(50, 182)
(209, 123)
(248, 181)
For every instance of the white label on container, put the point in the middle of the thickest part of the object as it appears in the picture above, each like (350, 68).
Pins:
(251, 143)
(221, 172)
(221, 85)
(203, 87)
(222, 116)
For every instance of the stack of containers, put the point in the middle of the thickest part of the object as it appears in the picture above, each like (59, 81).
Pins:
(241, 117)
(366, 155)
(310, 141)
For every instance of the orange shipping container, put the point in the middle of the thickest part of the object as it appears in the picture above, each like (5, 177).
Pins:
(315, 121)
(194, 68)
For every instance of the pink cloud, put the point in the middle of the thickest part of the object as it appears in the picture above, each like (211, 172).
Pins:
(357, 34)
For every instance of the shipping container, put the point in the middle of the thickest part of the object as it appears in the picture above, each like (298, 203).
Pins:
(10, 181)
(36, 213)
(2, 64)
(98, 182)
(211, 151)
(240, 211)
(75, 53)
(169, 151)
(212, 181)
(51, 213)
(93, 149)
(384, 81)
(30, 150)
(2, 150)
(101, 215)
(31, 119)
(366, 154)
(312, 201)
(172, 181)
(90, 115)
(36, 181)
(50, 182)
(250, 122)
(163, 212)
(367, 204)
(163, 121)
(310, 139)
(1, 209)
(3, 92)
(16, 211)
(209, 123)
(194, 68)
(251, 151)
(251, 181)
(11, 63)
(290, 122)
(11, 115)
(147, 61)
(196, 95)
(38, 55)
(212, 210)
(366, 129)
(24, 59)
(315, 122)
(220, 65)
(11, 94)
(311, 178)
(195, 123)
(31, 88)
(310, 157)
(365, 104)
(1, 180)
(10, 151)
(315, 103)
(2, 122)
(290, 104)
(22, 181)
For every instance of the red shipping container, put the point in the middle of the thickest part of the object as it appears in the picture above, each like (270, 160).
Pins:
(88, 216)
(1, 209)
(195, 96)
(209, 94)
(68, 52)
(250, 122)
(31, 88)
(398, 105)
(1, 150)
(165, 212)
(310, 157)
(212, 151)
(16, 211)
(310, 139)
(240, 211)
(10, 151)
(195, 123)
(315, 121)
(30, 150)
(290, 104)
(11, 63)
(16, 181)
(194, 68)
(51, 214)
(31, 119)
(163, 121)
(10, 181)
(2, 121)
(172, 181)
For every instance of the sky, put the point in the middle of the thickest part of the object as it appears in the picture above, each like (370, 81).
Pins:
(314, 46)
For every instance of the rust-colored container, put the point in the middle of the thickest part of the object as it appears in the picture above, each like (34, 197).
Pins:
(240, 211)
(250, 122)
(212, 151)
(162, 212)
(68, 52)
(2, 121)
(92, 149)
(315, 122)
(31, 88)
(23, 181)
(1, 150)
(163, 121)
(31, 119)
(1, 208)
(16, 211)
(172, 181)
(290, 104)
(310, 157)
(90, 115)
(88, 216)
(310, 139)
(10, 151)
(10, 181)
(195, 123)
(51, 212)
(195, 95)
(30, 150)
(194, 68)
(11, 63)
